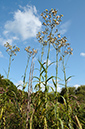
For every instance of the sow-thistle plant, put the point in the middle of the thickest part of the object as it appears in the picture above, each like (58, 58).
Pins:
(29, 54)
(32, 53)
(48, 37)
(62, 49)
(11, 50)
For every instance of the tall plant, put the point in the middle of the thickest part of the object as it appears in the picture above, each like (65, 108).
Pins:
(11, 50)
(51, 36)
(29, 118)
(48, 37)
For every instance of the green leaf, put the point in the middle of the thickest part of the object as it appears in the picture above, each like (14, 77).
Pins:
(69, 78)
(61, 122)
(51, 63)
(64, 100)
(49, 79)
(24, 86)
(36, 86)
(42, 78)
(36, 77)
(78, 122)
(52, 88)
(1, 114)
(42, 66)
(54, 82)
(41, 72)
(62, 84)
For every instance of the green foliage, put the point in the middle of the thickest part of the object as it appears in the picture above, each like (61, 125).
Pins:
(14, 120)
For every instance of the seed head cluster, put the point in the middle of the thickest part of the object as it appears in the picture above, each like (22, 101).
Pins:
(11, 50)
(30, 52)
(50, 33)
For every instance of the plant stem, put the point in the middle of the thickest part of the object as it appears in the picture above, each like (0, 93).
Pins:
(29, 95)
(45, 120)
(9, 66)
(26, 69)
(41, 66)
(56, 79)
(67, 96)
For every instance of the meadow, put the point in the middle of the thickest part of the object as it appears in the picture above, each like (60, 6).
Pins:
(43, 109)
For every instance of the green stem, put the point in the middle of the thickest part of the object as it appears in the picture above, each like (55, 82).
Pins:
(67, 96)
(40, 72)
(41, 66)
(56, 79)
(45, 120)
(29, 118)
(9, 66)
(26, 69)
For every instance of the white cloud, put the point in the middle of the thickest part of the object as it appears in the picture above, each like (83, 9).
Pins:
(9, 40)
(82, 54)
(64, 27)
(1, 55)
(25, 23)
(76, 86)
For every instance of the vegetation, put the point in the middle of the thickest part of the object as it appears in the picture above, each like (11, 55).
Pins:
(43, 109)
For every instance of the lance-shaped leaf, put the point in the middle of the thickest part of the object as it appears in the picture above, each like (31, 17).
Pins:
(64, 100)
(61, 123)
(42, 66)
(54, 82)
(24, 86)
(51, 63)
(69, 78)
(49, 79)
(36, 77)
(1, 114)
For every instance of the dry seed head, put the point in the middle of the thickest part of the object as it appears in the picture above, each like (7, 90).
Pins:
(61, 15)
(30, 52)
(46, 10)
(44, 23)
(53, 11)
(68, 48)
(14, 46)
(57, 23)
(54, 20)
(18, 49)
(59, 36)
(55, 38)
(58, 17)
(46, 16)
(60, 59)
(65, 51)
(71, 49)
(71, 53)
(41, 14)
(7, 50)
(34, 50)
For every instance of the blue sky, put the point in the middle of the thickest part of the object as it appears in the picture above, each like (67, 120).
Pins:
(19, 23)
